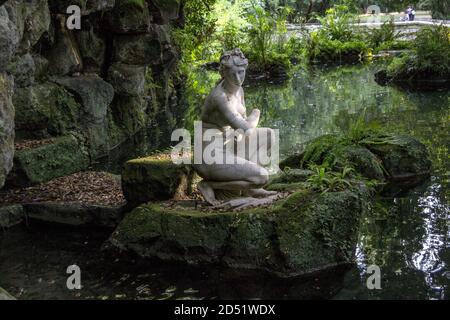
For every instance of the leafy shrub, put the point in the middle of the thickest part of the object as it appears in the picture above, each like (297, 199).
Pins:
(430, 56)
(432, 49)
(336, 40)
(382, 36)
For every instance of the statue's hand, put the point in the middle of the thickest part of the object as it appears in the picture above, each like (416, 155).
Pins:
(253, 119)
(256, 113)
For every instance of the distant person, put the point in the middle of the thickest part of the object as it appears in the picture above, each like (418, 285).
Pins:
(406, 16)
(408, 13)
(413, 14)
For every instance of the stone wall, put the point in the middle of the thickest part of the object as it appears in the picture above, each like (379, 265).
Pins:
(101, 84)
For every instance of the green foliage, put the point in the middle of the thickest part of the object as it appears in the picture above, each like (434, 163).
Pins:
(324, 179)
(199, 26)
(336, 40)
(386, 34)
(324, 49)
(362, 132)
(267, 36)
(316, 150)
(260, 33)
(430, 55)
(328, 150)
(440, 9)
(432, 49)
(398, 66)
(336, 24)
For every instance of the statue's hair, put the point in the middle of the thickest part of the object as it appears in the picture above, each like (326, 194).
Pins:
(231, 58)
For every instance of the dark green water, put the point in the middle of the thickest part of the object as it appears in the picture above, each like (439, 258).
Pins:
(406, 236)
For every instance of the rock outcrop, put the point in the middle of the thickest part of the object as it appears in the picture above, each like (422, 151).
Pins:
(155, 178)
(305, 233)
(6, 127)
(97, 83)
(402, 161)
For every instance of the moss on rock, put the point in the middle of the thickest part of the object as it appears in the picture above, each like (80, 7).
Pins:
(403, 157)
(45, 107)
(155, 178)
(63, 157)
(391, 159)
(304, 233)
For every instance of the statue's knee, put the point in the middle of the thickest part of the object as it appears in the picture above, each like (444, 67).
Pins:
(260, 179)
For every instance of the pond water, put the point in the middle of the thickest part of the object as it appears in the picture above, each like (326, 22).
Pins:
(406, 235)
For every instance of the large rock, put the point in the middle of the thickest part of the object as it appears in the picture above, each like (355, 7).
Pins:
(141, 49)
(388, 158)
(365, 162)
(166, 10)
(45, 108)
(31, 19)
(74, 214)
(91, 44)
(304, 233)
(130, 17)
(9, 38)
(36, 22)
(129, 113)
(6, 126)
(403, 157)
(95, 96)
(155, 178)
(23, 69)
(66, 155)
(127, 80)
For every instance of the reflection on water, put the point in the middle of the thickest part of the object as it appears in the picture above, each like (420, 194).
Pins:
(406, 236)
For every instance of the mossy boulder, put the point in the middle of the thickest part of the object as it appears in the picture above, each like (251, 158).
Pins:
(390, 159)
(291, 176)
(128, 113)
(95, 96)
(127, 80)
(166, 10)
(91, 44)
(304, 233)
(10, 36)
(404, 158)
(364, 161)
(155, 178)
(62, 157)
(23, 69)
(45, 107)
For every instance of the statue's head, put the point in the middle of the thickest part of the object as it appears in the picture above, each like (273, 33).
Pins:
(233, 66)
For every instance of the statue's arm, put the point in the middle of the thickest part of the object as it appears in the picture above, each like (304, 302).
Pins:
(253, 118)
(233, 118)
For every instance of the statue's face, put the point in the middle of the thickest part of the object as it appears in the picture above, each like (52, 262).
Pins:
(235, 74)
